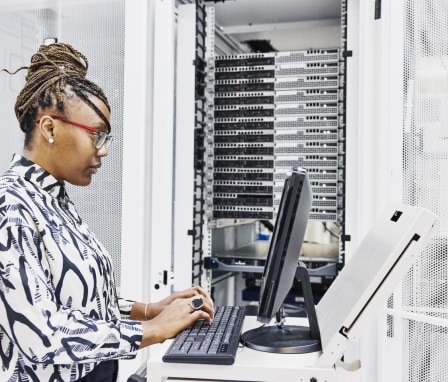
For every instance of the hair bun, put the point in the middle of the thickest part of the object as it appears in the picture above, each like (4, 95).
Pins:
(54, 67)
(59, 57)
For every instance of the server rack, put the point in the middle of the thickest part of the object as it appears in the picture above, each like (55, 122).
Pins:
(262, 114)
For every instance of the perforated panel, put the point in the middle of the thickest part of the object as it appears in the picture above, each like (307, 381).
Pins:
(96, 28)
(425, 164)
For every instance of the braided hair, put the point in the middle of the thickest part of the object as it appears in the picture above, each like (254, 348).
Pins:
(53, 69)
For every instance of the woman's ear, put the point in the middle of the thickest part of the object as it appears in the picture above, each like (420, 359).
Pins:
(45, 128)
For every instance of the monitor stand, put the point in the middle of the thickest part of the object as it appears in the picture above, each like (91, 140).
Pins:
(289, 339)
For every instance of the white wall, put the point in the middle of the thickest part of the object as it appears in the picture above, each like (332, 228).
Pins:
(312, 35)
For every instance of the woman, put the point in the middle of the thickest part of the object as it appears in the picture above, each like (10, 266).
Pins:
(60, 318)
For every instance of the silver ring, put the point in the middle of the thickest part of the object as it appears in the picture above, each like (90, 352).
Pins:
(197, 303)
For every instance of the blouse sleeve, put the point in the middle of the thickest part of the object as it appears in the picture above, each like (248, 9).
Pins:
(44, 330)
(125, 307)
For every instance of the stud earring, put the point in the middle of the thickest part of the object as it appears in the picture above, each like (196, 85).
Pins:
(51, 140)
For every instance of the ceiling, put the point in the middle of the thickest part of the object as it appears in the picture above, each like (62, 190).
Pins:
(244, 13)
(285, 23)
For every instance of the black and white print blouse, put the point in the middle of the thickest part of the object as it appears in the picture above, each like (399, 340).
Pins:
(59, 312)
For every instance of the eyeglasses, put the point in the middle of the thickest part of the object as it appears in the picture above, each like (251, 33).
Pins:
(100, 137)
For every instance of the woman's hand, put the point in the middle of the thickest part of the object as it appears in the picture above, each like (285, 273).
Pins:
(176, 316)
(154, 309)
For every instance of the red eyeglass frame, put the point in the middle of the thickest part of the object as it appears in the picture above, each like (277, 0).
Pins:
(74, 124)
(101, 137)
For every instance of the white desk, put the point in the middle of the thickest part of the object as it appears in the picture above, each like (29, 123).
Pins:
(250, 365)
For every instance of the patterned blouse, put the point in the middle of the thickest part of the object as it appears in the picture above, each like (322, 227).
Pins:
(59, 312)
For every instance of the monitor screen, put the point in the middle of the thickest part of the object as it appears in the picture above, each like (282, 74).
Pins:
(280, 270)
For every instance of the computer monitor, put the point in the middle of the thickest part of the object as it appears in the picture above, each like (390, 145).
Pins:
(282, 267)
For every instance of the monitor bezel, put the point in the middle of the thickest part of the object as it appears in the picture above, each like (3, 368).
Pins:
(286, 242)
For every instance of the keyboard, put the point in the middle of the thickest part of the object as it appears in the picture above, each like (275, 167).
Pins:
(214, 343)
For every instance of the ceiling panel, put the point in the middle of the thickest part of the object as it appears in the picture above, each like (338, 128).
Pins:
(254, 12)
(287, 24)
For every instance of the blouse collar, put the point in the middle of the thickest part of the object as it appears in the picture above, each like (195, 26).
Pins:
(38, 176)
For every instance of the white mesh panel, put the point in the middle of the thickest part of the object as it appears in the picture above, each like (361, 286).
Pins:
(96, 28)
(425, 164)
